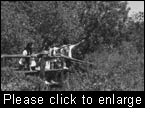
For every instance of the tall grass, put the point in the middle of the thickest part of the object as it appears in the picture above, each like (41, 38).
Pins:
(119, 69)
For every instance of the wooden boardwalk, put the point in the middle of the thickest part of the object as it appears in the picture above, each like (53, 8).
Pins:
(37, 71)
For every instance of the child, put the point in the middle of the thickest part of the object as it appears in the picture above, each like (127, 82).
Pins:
(25, 62)
(33, 63)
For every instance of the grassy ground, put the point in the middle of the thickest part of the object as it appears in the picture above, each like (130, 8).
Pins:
(120, 69)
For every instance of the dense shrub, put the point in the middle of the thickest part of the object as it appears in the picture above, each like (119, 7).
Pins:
(114, 42)
(120, 69)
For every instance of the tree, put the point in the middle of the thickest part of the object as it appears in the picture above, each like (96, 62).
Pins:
(103, 22)
(98, 22)
(14, 28)
(135, 31)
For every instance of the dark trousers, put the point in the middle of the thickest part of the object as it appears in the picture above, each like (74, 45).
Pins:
(27, 63)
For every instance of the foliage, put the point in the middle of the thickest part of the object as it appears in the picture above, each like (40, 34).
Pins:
(135, 31)
(118, 70)
(113, 41)
(61, 22)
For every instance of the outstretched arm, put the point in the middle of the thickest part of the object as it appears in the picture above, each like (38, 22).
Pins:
(74, 45)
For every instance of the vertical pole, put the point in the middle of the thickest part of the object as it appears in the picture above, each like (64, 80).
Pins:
(60, 73)
(42, 67)
(62, 76)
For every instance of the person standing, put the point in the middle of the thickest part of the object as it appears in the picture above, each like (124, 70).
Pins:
(25, 62)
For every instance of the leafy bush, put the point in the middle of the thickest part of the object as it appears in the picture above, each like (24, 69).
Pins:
(113, 41)
(120, 69)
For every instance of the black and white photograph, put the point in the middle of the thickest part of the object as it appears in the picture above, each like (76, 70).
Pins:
(72, 46)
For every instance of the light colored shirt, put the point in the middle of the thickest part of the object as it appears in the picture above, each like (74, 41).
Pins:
(22, 59)
(25, 53)
(33, 63)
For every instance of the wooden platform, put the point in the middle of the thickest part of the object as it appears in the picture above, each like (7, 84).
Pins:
(37, 71)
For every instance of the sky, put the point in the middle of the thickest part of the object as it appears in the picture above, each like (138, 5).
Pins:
(135, 6)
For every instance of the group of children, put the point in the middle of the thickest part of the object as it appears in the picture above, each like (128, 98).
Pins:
(53, 63)
(31, 64)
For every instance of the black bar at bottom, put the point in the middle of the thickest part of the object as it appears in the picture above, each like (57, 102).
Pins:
(76, 99)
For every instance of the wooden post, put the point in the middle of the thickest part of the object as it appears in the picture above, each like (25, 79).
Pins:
(62, 76)
(42, 67)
